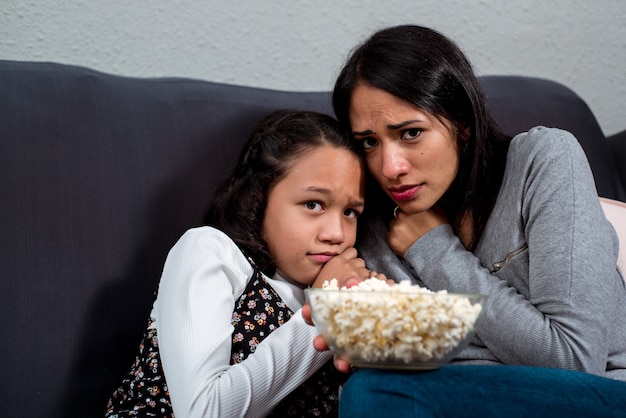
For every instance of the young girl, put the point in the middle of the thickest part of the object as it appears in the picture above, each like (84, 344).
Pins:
(224, 338)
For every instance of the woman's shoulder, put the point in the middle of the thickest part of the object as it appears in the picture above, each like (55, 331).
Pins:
(544, 139)
(545, 144)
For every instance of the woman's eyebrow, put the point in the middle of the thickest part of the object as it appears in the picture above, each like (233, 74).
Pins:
(402, 124)
(363, 133)
(392, 127)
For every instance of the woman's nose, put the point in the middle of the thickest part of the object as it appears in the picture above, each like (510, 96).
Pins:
(394, 164)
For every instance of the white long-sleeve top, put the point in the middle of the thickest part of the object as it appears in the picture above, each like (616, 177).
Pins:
(205, 272)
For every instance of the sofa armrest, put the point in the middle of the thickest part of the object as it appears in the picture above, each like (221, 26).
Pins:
(617, 145)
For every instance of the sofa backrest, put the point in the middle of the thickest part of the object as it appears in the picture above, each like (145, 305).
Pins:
(520, 103)
(100, 175)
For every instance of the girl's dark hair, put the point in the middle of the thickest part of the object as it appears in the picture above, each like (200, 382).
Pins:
(423, 67)
(238, 207)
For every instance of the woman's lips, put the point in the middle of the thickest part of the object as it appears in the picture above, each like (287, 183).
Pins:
(400, 194)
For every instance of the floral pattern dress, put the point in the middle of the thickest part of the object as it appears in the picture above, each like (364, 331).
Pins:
(143, 391)
(258, 312)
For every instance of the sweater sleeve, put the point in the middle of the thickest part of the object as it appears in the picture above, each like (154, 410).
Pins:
(203, 275)
(554, 311)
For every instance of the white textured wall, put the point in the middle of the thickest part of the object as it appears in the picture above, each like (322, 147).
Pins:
(300, 44)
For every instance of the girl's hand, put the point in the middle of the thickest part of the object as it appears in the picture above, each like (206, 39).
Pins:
(405, 229)
(346, 267)
(320, 344)
(349, 270)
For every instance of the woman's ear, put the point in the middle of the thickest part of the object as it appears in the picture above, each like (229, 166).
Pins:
(464, 133)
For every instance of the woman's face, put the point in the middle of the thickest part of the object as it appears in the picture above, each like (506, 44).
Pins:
(311, 214)
(412, 155)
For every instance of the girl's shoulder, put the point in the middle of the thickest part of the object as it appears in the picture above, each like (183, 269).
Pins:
(211, 243)
(205, 235)
(205, 232)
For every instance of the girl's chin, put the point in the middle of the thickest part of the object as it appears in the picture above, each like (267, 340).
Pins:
(301, 281)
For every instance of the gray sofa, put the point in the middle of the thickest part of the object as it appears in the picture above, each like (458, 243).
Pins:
(100, 175)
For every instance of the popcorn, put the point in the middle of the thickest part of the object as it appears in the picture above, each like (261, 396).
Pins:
(402, 323)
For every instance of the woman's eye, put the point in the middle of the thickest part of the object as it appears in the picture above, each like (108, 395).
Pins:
(369, 142)
(411, 133)
(314, 206)
(351, 213)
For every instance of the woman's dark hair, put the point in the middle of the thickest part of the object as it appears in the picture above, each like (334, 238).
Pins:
(238, 207)
(423, 67)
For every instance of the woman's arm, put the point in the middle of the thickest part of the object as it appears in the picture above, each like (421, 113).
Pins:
(203, 275)
(554, 310)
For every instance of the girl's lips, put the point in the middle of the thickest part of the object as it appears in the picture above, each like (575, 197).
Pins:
(321, 257)
(404, 193)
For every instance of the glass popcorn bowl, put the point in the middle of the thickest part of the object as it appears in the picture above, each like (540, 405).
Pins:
(400, 327)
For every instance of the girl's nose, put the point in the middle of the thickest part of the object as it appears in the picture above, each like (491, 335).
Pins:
(332, 229)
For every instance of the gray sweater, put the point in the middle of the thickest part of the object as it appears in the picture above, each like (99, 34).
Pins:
(555, 296)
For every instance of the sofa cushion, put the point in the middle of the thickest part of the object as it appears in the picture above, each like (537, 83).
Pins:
(615, 212)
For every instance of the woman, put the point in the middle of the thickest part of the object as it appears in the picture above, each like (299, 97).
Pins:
(455, 204)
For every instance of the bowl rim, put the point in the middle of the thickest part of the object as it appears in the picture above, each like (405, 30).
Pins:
(394, 292)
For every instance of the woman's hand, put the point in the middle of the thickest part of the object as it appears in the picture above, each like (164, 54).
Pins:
(405, 229)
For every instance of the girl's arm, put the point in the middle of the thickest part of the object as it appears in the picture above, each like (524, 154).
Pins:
(203, 275)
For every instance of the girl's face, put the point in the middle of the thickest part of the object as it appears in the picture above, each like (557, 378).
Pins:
(311, 214)
(412, 155)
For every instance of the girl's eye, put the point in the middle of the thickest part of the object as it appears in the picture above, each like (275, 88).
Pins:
(411, 133)
(351, 213)
(314, 206)
(369, 142)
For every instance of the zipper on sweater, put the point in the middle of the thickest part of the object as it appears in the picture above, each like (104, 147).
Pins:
(498, 265)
